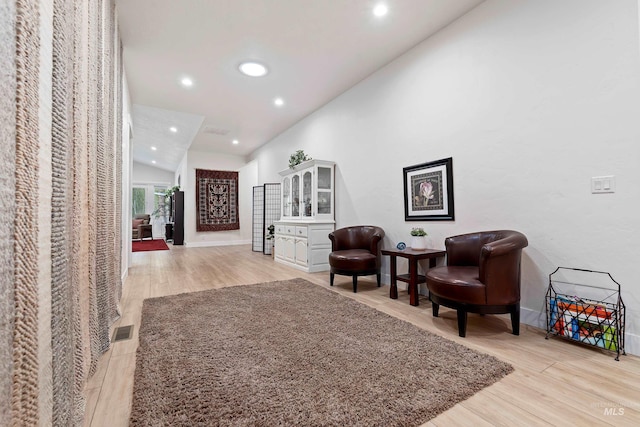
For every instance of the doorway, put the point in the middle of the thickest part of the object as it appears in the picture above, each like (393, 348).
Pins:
(150, 199)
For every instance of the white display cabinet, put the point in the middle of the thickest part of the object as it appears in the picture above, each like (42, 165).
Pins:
(308, 216)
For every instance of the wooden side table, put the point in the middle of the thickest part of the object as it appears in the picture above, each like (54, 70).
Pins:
(413, 278)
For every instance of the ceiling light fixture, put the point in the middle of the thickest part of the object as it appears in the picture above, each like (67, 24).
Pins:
(380, 10)
(235, 142)
(279, 102)
(253, 69)
(153, 161)
(154, 148)
(186, 82)
(173, 129)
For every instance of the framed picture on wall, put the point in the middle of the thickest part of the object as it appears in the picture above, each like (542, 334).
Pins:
(428, 191)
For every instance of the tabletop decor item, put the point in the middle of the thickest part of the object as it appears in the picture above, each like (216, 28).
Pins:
(418, 238)
(401, 246)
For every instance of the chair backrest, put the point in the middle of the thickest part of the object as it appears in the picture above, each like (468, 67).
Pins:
(140, 220)
(365, 237)
(145, 217)
(497, 255)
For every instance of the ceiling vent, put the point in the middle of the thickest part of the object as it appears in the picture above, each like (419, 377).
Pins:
(211, 130)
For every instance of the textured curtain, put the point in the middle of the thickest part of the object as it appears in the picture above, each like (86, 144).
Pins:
(60, 148)
(25, 370)
(7, 200)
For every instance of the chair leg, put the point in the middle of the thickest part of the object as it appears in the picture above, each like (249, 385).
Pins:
(462, 323)
(331, 275)
(378, 276)
(355, 283)
(435, 308)
(515, 320)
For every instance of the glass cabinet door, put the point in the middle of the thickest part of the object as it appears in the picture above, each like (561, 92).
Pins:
(306, 194)
(286, 197)
(295, 195)
(324, 191)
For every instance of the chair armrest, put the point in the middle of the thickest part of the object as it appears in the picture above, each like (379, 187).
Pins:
(512, 242)
(375, 242)
(500, 259)
(334, 245)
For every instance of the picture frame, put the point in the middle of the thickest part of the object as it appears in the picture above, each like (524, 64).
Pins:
(428, 191)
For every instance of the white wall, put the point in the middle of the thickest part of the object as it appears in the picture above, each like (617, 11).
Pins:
(247, 178)
(531, 99)
(145, 174)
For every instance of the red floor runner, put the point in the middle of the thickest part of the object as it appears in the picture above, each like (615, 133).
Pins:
(149, 245)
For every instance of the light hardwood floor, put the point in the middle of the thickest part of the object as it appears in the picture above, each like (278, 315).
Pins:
(555, 382)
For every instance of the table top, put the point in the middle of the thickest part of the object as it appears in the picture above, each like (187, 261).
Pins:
(415, 253)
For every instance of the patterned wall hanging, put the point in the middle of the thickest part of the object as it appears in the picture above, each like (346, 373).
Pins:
(216, 200)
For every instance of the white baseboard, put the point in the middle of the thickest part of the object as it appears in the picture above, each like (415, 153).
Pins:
(204, 244)
(124, 275)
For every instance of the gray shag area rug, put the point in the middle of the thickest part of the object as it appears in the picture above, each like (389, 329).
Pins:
(293, 353)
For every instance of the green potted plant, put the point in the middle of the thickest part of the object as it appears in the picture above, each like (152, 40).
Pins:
(418, 238)
(270, 232)
(270, 235)
(169, 191)
(297, 158)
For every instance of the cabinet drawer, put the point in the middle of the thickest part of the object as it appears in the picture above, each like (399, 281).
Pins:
(290, 230)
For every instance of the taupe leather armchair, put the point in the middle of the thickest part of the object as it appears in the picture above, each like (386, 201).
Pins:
(482, 275)
(142, 227)
(355, 252)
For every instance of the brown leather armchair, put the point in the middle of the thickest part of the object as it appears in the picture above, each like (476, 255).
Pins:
(142, 226)
(482, 275)
(355, 252)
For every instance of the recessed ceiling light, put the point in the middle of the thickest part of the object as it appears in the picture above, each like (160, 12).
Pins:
(235, 142)
(380, 10)
(279, 102)
(253, 69)
(186, 82)
(153, 161)
(173, 129)
(154, 148)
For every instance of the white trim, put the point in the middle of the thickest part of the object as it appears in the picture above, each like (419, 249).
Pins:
(216, 243)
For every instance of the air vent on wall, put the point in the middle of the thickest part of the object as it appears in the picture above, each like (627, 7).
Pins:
(122, 333)
(211, 130)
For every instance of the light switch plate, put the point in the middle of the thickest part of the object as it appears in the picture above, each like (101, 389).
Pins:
(603, 184)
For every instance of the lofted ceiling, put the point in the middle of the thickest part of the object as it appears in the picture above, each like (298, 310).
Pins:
(314, 51)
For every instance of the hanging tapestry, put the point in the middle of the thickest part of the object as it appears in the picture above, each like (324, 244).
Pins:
(217, 200)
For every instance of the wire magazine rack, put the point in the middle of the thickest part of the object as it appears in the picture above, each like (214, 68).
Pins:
(597, 322)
